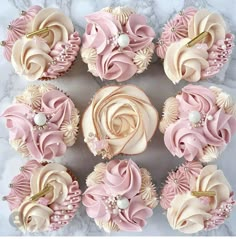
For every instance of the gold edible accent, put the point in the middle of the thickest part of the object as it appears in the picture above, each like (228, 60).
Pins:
(38, 32)
(197, 39)
(42, 193)
(2, 43)
(203, 193)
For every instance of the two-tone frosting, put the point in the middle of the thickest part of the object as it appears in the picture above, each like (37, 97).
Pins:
(203, 201)
(117, 43)
(124, 197)
(45, 55)
(185, 60)
(118, 121)
(198, 123)
(50, 201)
(42, 122)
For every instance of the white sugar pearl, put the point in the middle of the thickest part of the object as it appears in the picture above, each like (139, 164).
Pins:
(123, 203)
(194, 116)
(123, 40)
(66, 217)
(70, 207)
(210, 117)
(40, 119)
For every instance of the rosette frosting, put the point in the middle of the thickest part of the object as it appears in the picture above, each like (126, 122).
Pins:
(119, 121)
(47, 139)
(117, 201)
(189, 212)
(201, 125)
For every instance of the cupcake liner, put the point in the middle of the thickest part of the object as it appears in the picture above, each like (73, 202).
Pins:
(42, 122)
(195, 44)
(198, 123)
(120, 196)
(199, 192)
(43, 197)
(30, 32)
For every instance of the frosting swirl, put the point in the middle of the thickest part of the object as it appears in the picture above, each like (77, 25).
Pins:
(184, 142)
(187, 213)
(121, 115)
(196, 98)
(60, 26)
(30, 58)
(55, 175)
(33, 217)
(122, 178)
(219, 130)
(116, 65)
(183, 62)
(212, 23)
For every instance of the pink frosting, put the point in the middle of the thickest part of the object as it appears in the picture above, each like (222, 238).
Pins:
(218, 132)
(140, 34)
(178, 182)
(116, 65)
(31, 12)
(191, 169)
(29, 167)
(161, 47)
(94, 201)
(196, 97)
(185, 15)
(101, 27)
(17, 29)
(183, 141)
(42, 143)
(64, 55)
(7, 50)
(122, 177)
(73, 199)
(167, 195)
(134, 217)
(13, 201)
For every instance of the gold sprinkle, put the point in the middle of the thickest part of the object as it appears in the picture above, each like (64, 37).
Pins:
(38, 32)
(42, 193)
(203, 193)
(197, 39)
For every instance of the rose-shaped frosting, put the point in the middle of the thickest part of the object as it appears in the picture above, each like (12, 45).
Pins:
(33, 217)
(93, 200)
(183, 141)
(140, 34)
(116, 65)
(123, 177)
(212, 23)
(219, 130)
(30, 57)
(196, 98)
(60, 26)
(54, 175)
(212, 179)
(100, 28)
(182, 62)
(123, 116)
(187, 213)
(134, 217)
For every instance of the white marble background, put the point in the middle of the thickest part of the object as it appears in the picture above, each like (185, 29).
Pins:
(81, 86)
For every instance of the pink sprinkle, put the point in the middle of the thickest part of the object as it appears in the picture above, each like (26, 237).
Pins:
(43, 201)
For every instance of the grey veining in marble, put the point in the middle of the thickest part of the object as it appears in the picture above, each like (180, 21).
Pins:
(81, 86)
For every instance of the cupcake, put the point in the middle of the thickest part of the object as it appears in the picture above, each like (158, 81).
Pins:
(42, 122)
(120, 119)
(198, 123)
(117, 43)
(43, 197)
(41, 43)
(195, 45)
(196, 198)
(120, 196)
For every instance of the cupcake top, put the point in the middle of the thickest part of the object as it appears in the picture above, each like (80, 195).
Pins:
(120, 119)
(195, 44)
(42, 122)
(196, 198)
(198, 123)
(41, 43)
(43, 197)
(117, 43)
(120, 196)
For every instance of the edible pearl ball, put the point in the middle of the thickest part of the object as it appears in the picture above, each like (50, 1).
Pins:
(40, 119)
(210, 117)
(123, 40)
(70, 207)
(123, 203)
(194, 116)
(66, 217)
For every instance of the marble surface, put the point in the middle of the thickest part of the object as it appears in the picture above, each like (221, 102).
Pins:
(81, 86)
